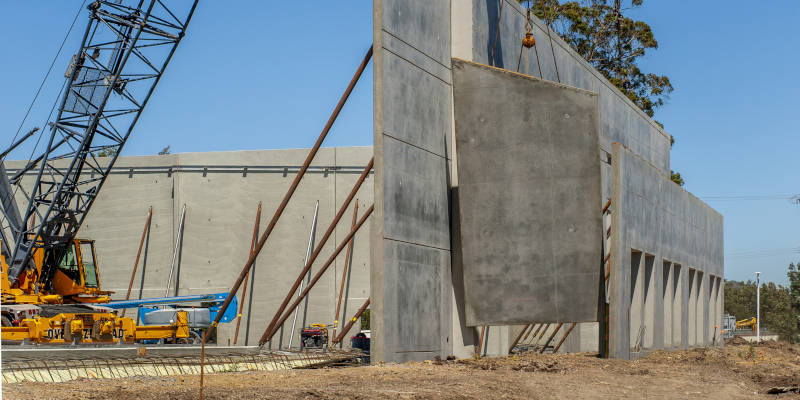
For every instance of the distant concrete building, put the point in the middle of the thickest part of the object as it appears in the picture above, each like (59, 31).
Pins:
(221, 191)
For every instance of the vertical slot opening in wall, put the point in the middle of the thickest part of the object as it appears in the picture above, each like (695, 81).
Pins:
(649, 314)
(711, 310)
(667, 301)
(636, 301)
(701, 308)
(692, 317)
(677, 301)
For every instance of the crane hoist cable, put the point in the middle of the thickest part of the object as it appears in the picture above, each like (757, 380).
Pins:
(552, 49)
(496, 33)
(529, 41)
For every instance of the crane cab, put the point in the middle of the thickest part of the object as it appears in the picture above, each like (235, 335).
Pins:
(76, 275)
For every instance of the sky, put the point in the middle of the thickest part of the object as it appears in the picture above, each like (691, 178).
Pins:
(266, 75)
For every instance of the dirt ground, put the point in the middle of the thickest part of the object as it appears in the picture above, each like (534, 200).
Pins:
(738, 371)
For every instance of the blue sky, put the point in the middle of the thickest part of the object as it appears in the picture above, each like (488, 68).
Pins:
(266, 74)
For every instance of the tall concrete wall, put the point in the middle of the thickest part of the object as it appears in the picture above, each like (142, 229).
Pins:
(221, 200)
(666, 262)
(413, 123)
(410, 275)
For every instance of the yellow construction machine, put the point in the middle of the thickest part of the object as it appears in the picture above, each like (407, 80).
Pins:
(71, 313)
(50, 284)
(747, 323)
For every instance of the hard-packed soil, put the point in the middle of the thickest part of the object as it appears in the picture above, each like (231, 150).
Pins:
(737, 371)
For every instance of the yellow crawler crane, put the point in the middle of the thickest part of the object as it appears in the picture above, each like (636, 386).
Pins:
(70, 313)
(50, 286)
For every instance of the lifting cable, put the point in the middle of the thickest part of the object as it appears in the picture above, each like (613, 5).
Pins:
(496, 33)
(527, 42)
(550, 36)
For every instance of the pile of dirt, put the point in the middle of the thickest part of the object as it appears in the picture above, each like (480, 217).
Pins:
(515, 363)
(736, 371)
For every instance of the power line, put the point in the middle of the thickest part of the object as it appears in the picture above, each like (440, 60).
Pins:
(753, 197)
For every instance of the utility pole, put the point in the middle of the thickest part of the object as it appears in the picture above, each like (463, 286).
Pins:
(758, 307)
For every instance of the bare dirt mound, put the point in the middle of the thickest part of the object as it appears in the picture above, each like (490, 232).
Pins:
(737, 371)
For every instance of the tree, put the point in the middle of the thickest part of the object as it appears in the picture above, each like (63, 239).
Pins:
(777, 306)
(107, 153)
(776, 311)
(740, 298)
(794, 292)
(613, 44)
(164, 151)
(676, 177)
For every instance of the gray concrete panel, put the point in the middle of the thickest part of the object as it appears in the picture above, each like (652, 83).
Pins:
(418, 204)
(410, 271)
(415, 311)
(408, 114)
(423, 25)
(529, 191)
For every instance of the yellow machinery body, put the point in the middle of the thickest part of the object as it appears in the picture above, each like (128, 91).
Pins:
(98, 327)
(70, 312)
(747, 323)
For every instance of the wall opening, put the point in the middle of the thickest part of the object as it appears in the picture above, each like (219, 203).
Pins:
(649, 315)
(666, 296)
(692, 314)
(677, 302)
(701, 309)
(711, 311)
(636, 301)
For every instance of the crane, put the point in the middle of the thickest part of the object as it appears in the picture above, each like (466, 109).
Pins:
(124, 52)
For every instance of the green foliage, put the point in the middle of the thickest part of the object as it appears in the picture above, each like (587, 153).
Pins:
(611, 42)
(740, 298)
(777, 312)
(164, 151)
(676, 177)
(106, 153)
(794, 293)
(365, 320)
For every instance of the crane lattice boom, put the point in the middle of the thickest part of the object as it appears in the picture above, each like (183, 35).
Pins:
(123, 54)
